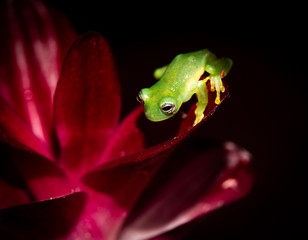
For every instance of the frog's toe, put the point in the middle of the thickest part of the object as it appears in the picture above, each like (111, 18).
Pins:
(217, 99)
(198, 118)
(217, 85)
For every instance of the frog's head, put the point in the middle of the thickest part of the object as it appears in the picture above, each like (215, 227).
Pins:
(157, 107)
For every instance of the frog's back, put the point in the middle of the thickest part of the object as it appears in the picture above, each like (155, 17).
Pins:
(183, 71)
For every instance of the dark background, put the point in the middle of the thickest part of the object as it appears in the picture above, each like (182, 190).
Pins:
(267, 110)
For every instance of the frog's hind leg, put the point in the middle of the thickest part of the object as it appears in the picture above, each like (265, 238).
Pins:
(202, 96)
(217, 69)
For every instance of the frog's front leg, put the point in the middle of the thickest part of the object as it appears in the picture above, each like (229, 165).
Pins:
(216, 85)
(217, 69)
(202, 96)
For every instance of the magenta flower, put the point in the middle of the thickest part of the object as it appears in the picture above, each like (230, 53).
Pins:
(69, 169)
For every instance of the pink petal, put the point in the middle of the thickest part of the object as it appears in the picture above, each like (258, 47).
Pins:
(87, 102)
(52, 219)
(40, 178)
(30, 64)
(192, 183)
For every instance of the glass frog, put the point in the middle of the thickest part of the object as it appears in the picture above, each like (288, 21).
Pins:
(180, 80)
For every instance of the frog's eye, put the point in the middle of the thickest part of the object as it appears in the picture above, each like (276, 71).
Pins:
(168, 108)
(139, 97)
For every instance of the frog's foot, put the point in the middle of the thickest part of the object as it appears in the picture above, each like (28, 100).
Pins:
(216, 85)
(198, 118)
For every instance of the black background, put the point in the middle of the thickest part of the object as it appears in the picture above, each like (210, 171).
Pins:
(266, 113)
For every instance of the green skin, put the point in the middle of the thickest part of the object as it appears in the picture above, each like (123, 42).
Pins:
(180, 80)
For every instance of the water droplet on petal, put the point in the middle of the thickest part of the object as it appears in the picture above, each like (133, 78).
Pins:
(183, 115)
(28, 95)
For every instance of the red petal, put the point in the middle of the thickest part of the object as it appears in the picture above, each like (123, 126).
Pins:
(100, 220)
(87, 102)
(40, 178)
(14, 130)
(124, 183)
(52, 219)
(192, 183)
(30, 64)
(127, 139)
(11, 195)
